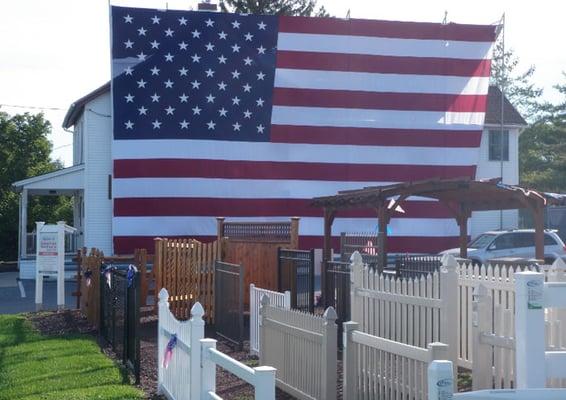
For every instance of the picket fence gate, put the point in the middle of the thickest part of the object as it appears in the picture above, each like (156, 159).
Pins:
(303, 348)
(378, 368)
(191, 372)
(276, 299)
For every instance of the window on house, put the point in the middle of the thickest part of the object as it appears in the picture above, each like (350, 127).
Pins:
(498, 145)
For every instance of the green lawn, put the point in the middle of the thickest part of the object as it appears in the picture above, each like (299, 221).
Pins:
(33, 366)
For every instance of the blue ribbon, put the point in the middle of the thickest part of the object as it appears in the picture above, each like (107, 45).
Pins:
(172, 342)
(131, 274)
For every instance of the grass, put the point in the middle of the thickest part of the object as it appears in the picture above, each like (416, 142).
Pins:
(33, 366)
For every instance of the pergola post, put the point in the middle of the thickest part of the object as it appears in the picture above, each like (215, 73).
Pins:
(462, 220)
(538, 217)
(329, 215)
(383, 221)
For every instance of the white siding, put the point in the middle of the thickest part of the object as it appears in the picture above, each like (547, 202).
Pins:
(489, 220)
(78, 143)
(98, 166)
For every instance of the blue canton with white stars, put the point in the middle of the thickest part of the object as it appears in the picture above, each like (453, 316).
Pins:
(192, 75)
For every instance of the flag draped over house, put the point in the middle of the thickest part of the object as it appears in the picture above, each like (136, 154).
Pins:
(249, 117)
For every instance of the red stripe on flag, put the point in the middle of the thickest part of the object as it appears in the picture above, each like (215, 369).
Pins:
(191, 206)
(378, 100)
(388, 29)
(188, 168)
(395, 244)
(382, 64)
(374, 136)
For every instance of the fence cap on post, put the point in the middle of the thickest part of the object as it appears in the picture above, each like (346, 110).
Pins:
(449, 263)
(197, 311)
(356, 258)
(559, 264)
(330, 314)
(163, 295)
(438, 351)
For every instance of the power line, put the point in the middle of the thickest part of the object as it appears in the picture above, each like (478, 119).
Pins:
(32, 107)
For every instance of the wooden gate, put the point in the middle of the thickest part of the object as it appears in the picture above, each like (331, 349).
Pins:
(255, 245)
(185, 267)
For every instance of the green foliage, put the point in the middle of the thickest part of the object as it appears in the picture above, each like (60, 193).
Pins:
(34, 367)
(517, 86)
(25, 152)
(542, 149)
(303, 8)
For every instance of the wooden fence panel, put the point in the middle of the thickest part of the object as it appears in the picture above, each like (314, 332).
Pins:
(185, 267)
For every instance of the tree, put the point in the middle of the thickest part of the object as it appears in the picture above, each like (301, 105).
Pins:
(542, 149)
(25, 152)
(518, 87)
(303, 8)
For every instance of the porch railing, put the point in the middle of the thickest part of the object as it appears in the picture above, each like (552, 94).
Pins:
(72, 243)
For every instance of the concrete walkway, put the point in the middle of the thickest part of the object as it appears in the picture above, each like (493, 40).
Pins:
(12, 302)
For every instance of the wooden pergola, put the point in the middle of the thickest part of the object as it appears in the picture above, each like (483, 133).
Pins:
(461, 196)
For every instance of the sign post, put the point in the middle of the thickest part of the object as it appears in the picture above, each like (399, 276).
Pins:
(50, 259)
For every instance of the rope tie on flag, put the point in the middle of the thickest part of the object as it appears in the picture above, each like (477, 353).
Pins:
(132, 270)
(169, 350)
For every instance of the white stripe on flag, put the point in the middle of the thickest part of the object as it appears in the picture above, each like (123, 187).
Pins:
(383, 46)
(235, 188)
(373, 82)
(285, 152)
(392, 119)
(311, 226)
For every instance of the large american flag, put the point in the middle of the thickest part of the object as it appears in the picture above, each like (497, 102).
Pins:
(249, 117)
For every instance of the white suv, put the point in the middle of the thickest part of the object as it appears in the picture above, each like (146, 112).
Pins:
(518, 243)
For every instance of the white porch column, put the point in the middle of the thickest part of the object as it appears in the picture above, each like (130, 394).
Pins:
(23, 221)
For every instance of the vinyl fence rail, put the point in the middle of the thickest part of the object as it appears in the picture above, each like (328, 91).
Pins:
(276, 299)
(191, 371)
(303, 349)
(378, 368)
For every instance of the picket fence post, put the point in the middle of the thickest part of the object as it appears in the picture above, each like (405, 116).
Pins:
(197, 334)
(356, 279)
(557, 273)
(449, 314)
(350, 361)
(262, 332)
(482, 316)
(529, 330)
(163, 309)
(207, 369)
(265, 382)
(329, 350)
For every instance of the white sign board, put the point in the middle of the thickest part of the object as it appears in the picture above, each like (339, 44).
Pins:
(50, 259)
(47, 252)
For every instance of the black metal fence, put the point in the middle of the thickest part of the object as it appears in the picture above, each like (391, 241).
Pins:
(120, 316)
(414, 266)
(296, 274)
(229, 302)
(338, 292)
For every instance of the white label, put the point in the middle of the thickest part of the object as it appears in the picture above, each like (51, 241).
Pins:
(534, 294)
(47, 255)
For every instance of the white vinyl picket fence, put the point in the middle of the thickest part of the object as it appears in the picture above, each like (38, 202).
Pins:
(378, 368)
(191, 373)
(303, 348)
(276, 299)
(469, 308)
(535, 367)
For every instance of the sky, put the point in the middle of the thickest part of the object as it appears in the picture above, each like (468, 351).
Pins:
(54, 52)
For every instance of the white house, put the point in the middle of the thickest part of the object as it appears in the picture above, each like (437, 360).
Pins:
(89, 179)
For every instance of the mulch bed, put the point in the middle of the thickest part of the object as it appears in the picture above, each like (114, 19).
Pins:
(228, 386)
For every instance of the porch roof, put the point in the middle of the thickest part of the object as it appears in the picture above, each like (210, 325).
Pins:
(63, 181)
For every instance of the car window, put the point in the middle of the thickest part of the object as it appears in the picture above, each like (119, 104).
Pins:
(481, 241)
(503, 242)
(549, 240)
(524, 239)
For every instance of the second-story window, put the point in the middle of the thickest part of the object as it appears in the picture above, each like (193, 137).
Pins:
(498, 145)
